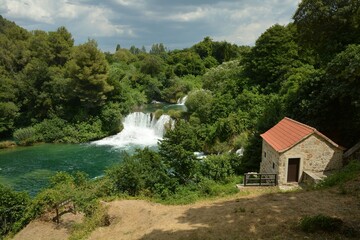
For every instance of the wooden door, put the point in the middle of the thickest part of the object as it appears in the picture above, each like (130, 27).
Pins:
(293, 169)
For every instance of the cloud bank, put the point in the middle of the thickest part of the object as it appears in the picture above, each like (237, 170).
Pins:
(177, 24)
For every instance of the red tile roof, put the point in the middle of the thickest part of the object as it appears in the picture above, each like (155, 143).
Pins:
(288, 133)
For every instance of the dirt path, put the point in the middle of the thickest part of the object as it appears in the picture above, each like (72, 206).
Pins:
(271, 216)
(267, 216)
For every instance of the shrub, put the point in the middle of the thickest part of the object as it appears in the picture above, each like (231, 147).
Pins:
(98, 218)
(320, 222)
(25, 136)
(111, 118)
(7, 144)
(217, 167)
(158, 113)
(12, 208)
(51, 130)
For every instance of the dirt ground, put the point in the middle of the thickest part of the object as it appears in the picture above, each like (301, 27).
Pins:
(256, 216)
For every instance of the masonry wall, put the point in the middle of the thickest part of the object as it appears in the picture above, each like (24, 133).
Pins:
(316, 155)
(269, 160)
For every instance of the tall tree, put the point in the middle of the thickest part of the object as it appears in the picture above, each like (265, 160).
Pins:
(328, 26)
(274, 54)
(88, 70)
(61, 43)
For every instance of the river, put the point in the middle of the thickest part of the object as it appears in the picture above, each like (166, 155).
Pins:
(29, 168)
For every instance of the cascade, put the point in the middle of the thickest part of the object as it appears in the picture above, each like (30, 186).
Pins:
(181, 101)
(139, 129)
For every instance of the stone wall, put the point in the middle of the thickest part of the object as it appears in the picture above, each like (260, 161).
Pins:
(316, 155)
(269, 160)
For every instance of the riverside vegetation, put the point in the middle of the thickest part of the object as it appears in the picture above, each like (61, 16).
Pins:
(53, 91)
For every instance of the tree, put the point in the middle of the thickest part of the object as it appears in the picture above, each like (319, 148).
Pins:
(8, 108)
(61, 43)
(200, 102)
(339, 99)
(204, 48)
(117, 47)
(328, 26)
(158, 49)
(177, 149)
(152, 65)
(275, 52)
(12, 208)
(88, 70)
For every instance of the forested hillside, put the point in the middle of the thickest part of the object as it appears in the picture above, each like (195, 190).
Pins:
(54, 91)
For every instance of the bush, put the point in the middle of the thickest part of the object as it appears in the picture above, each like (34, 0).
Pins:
(111, 118)
(217, 167)
(25, 136)
(12, 208)
(51, 130)
(7, 144)
(98, 218)
(158, 113)
(320, 222)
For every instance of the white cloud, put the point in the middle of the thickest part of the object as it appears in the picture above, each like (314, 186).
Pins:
(35, 10)
(143, 22)
(189, 16)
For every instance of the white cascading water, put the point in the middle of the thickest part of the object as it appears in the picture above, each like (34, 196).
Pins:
(181, 101)
(139, 129)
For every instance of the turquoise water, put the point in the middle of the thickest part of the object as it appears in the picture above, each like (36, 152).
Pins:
(29, 168)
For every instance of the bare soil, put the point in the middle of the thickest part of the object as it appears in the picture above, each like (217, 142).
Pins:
(259, 215)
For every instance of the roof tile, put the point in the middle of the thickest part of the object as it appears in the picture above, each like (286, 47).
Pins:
(288, 133)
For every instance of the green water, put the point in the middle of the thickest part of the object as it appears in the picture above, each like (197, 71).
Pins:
(29, 168)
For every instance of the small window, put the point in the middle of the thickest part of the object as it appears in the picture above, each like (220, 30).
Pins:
(264, 154)
(273, 165)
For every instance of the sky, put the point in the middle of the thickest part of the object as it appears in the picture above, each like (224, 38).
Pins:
(177, 24)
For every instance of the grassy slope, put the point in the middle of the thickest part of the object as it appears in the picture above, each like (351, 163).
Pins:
(260, 214)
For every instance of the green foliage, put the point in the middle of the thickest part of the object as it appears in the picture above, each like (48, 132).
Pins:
(216, 167)
(320, 222)
(12, 207)
(275, 52)
(51, 130)
(177, 149)
(99, 218)
(200, 102)
(111, 118)
(88, 70)
(8, 113)
(349, 172)
(126, 177)
(25, 136)
(142, 173)
(328, 26)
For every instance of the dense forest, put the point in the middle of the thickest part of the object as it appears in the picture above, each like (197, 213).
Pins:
(309, 70)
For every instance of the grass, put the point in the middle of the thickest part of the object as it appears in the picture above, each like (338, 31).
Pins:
(349, 172)
(206, 189)
(99, 218)
(320, 222)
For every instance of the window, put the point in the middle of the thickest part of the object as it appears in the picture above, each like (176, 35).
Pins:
(273, 165)
(264, 154)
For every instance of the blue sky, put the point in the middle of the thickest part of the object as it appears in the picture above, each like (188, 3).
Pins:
(176, 24)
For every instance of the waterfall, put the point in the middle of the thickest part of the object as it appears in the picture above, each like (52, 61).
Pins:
(139, 129)
(181, 101)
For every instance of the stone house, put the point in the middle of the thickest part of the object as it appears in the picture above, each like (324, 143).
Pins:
(295, 152)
